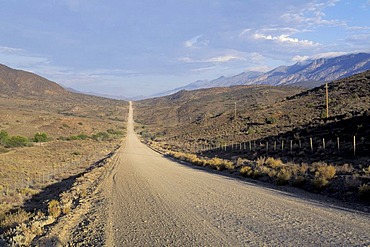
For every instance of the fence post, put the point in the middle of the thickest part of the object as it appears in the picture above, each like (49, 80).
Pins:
(282, 145)
(291, 145)
(274, 145)
(311, 145)
(267, 146)
(338, 143)
(323, 143)
(354, 145)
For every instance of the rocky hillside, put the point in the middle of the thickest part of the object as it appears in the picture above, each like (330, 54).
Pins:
(262, 112)
(18, 83)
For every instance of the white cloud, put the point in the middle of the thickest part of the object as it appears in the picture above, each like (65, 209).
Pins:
(203, 69)
(245, 31)
(21, 59)
(186, 59)
(225, 58)
(299, 58)
(196, 42)
(9, 50)
(329, 54)
(262, 68)
(312, 15)
(285, 38)
(216, 59)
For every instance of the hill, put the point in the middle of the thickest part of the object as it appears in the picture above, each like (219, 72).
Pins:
(18, 83)
(48, 134)
(289, 127)
(208, 115)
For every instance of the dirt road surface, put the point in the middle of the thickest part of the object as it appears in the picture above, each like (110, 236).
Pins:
(154, 201)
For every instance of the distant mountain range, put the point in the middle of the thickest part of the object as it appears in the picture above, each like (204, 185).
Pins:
(309, 74)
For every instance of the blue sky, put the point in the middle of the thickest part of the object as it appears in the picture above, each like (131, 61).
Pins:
(142, 47)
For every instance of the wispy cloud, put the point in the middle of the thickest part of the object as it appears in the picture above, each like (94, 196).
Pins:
(225, 58)
(216, 59)
(285, 38)
(299, 58)
(20, 58)
(203, 69)
(196, 42)
(9, 50)
(312, 15)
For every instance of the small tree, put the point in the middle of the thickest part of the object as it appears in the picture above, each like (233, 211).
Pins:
(4, 136)
(40, 137)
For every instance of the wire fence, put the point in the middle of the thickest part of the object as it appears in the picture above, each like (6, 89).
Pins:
(336, 146)
(22, 183)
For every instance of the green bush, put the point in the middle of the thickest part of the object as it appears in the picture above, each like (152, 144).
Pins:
(114, 132)
(4, 136)
(40, 137)
(101, 136)
(17, 141)
(82, 136)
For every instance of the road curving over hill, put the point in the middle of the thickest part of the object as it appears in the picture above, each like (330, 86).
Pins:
(154, 201)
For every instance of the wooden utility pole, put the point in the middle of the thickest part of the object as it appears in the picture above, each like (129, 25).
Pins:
(235, 110)
(327, 100)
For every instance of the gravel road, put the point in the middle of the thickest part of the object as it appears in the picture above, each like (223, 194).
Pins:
(154, 201)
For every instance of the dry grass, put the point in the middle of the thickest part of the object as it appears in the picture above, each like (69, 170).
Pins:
(13, 219)
(323, 175)
(364, 191)
(54, 209)
(214, 163)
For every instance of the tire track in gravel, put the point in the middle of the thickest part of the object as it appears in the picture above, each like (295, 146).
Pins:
(154, 201)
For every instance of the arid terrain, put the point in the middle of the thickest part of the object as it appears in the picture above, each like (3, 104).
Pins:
(287, 126)
(147, 199)
(222, 166)
(80, 131)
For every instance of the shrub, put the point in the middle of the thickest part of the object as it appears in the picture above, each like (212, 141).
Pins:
(4, 136)
(364, 191)
(283, 177)
(220, 164)
(40, 137)
(114, 132)
(322, 176)
(14, 219)
(82, 136)
(327, 172)
(261, 161)
(273, 163)
(299, 180)
(246, 171)
(54, 208)
(17, 141)
(319, 182)
(101, 136)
